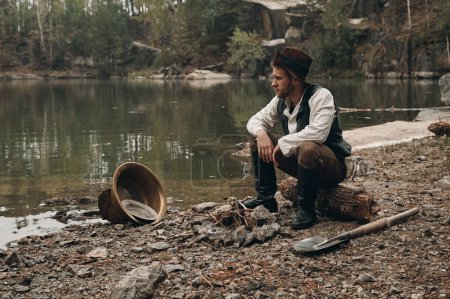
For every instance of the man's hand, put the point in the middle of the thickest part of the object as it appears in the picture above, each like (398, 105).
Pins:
(276, 150)
(265, 146)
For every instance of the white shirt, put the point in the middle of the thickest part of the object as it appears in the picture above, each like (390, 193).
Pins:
(320, 121)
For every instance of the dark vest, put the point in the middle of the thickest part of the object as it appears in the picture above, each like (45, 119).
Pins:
(334, 140)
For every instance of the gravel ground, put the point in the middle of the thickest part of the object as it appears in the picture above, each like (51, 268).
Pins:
(187, 255)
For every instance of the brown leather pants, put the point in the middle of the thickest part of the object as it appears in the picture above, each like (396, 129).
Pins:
(309, 155)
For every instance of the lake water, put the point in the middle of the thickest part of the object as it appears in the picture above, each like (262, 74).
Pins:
(66, 138)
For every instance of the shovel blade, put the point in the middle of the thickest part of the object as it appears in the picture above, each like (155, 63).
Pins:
(308, 244)
(314, 244)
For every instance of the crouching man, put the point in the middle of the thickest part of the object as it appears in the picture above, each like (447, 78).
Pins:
(312, 149)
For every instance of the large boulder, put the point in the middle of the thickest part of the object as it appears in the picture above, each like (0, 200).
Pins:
(444, 85)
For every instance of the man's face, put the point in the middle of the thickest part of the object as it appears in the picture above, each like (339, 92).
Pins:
(281, 83)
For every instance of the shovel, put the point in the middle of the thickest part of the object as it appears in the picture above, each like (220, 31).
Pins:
(317, 243)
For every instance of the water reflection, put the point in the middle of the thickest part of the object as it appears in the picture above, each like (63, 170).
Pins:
(62, 138)
(41, 224)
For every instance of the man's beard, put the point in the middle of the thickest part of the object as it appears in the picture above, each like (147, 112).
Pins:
(286, 91)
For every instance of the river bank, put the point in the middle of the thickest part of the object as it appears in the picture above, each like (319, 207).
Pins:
(189, 255)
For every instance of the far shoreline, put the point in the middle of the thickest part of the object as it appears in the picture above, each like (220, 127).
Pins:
(198, 74)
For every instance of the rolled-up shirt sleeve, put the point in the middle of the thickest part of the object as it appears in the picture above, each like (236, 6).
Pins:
(265, 119)
(320, 120)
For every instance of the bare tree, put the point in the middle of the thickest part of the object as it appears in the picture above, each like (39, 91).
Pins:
(41, 32)
(409, 15)
(448, 47)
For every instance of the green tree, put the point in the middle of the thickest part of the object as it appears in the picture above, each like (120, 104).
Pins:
(205, 26)
(78, 23)
(158, 13)
(110, 37)
(246, 53)
(333, 43)
(26, 17)
(444, 26)
(8, 19)
(196, 18)
(56, 34)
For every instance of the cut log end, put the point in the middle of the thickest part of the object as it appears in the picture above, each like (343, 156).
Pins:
(440, 128)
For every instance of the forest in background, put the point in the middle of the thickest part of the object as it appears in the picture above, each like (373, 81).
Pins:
(119, 37)
(58, 35)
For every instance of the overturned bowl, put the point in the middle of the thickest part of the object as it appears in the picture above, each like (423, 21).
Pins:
(133, 181)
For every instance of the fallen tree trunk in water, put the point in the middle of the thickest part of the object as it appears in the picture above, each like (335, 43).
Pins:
(344, 202)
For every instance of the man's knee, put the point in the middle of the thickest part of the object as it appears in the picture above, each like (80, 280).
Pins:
(308, 155)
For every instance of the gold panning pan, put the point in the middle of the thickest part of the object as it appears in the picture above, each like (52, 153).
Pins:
(133, 181)
(140, 211)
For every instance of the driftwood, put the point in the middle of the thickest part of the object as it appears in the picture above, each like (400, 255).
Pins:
(440, 128)
(343, 202)
(233, 215)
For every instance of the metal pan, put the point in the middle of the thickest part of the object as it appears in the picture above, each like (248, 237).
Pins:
(139, 210)
(318, 243)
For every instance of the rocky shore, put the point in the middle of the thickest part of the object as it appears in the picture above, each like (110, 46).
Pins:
(193, 254)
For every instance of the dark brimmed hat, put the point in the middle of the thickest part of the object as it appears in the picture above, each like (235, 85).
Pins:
(294, 61)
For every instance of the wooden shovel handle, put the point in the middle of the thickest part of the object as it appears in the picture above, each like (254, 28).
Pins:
(376, 225)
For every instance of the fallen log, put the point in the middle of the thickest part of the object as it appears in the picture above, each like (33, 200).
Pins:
(344, 202)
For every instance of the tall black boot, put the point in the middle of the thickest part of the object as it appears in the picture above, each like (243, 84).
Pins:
(265, 185)
(307, 187)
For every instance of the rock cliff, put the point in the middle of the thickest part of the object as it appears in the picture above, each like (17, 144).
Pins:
(393, 40)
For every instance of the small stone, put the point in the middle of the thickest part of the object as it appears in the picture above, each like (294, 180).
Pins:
(427, 233)
(253, 286)
(262, 215)
(67, 243)
(239, 235)
(85, 273)
(282, 294)
(202, 207)
(80, 271)
(99, 252)
(421, 158)
(266, 232)
(137, 249)
(394, 290)
(178, 295)
(12, 260)
(260, 295)
(159, 246)
(119, 226)
(444, 183)
(233, 296)
(173, 268)
(363, 278)
(21, 288)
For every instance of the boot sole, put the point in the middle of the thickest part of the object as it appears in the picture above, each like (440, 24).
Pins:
(303, 225)
(273, 208)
